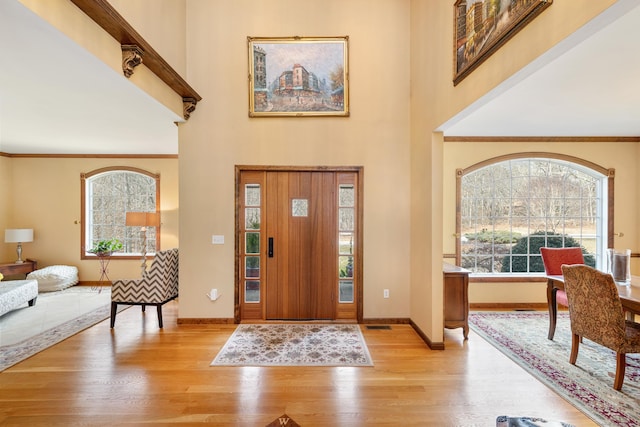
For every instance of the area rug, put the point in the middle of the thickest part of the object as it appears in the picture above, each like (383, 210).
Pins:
(505, 421)
(588, 385)
(55, 317)
(295, 345)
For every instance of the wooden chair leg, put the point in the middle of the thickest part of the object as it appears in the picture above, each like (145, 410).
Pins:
(621, 365)
(144, 308)
(160, 315)
(114, 311)
(575, 343)
(553, 308)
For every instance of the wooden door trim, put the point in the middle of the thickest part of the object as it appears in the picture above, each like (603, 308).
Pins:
(358, 267)
(243, 168)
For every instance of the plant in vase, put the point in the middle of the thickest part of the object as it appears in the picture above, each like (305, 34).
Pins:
(103, 248)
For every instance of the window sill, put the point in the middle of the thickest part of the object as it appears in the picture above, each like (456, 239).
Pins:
(120, 256)
(506, 279)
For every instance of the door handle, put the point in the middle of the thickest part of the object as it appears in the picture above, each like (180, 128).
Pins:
(270, 247)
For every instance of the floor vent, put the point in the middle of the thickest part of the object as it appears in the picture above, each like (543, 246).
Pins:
(378, 327)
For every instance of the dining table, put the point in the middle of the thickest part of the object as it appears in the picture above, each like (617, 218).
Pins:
(629, 297)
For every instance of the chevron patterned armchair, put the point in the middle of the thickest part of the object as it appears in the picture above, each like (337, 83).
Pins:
(158, 286)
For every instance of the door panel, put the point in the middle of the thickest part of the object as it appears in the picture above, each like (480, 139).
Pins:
(323, 252)
(300, 218)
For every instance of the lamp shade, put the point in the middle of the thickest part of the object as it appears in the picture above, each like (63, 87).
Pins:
(18, 235)
(143, 219)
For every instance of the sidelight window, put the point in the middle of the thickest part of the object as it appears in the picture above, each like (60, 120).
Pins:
(252, 243)
(346, 233)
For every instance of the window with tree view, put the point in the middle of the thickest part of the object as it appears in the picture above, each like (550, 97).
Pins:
(511, 208)
(108, 194)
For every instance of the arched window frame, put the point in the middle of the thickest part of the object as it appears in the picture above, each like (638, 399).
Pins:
(84, 234)
(609, 173)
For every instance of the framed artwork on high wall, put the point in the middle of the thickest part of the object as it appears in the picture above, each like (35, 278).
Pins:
(298, 76)
(481, 27)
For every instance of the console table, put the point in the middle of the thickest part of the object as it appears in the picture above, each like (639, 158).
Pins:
(13, 269)
(456, 298)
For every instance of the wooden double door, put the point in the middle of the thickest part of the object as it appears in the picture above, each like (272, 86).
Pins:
(298, 231)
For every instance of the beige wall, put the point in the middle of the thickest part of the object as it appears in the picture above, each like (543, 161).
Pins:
(401, 92)
(6, 194)
(46, 197)
(435, 100)
(168, 39)
(220, 135)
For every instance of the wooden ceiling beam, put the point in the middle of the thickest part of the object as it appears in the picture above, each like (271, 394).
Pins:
(104, 14)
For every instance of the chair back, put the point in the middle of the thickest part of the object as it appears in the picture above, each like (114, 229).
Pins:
(595, 309)
(554, 258)
(163, 272)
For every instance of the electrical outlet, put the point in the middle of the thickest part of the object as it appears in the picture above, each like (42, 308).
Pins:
(386, 293)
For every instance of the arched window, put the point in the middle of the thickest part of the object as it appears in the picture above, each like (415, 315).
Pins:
(107, 195)
(510, 206)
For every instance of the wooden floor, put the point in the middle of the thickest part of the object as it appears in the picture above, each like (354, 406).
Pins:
(137, 374)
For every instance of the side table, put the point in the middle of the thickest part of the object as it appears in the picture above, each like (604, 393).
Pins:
(456, 298)
(13, 269)
(104, 258)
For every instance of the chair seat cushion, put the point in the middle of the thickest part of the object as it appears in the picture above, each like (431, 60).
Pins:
(632, 337)
(55, 277)
(561, 298)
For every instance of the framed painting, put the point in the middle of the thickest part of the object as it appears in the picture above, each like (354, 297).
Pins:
(482, 26)
(298, 76)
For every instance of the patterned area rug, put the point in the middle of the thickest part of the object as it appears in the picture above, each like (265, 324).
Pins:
(55, 317)
(295, 345)
(588, 385)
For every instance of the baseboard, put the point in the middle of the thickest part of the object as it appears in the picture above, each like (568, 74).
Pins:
(509, 305)
(205, 321)
(432, 345)
(387, 321)
(93, 283)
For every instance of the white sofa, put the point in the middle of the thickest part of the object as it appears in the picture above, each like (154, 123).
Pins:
(15, 293)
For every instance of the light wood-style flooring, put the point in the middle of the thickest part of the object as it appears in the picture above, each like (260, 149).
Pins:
(137, 374)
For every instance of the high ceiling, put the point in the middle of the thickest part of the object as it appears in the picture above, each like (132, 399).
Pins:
(587, 85)
(56, 98)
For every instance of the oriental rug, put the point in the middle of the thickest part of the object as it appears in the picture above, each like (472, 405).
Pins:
(587, 385)
(56, 316)
(295, 345)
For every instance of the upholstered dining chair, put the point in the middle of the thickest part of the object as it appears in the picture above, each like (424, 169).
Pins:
(157, 286)
(596, 313)
(553, 259)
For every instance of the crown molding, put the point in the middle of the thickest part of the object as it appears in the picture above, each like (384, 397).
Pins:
(541, 139)
(88, 156)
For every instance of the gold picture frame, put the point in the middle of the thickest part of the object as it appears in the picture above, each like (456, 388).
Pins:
(298, 76)
(481, 27)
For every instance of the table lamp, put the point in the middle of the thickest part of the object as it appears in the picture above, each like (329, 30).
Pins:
(19, 236)
(143, 220)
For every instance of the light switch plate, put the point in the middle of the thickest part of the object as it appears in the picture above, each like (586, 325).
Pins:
(217, 239)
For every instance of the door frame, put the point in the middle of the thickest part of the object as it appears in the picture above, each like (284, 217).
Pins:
(358, 262)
